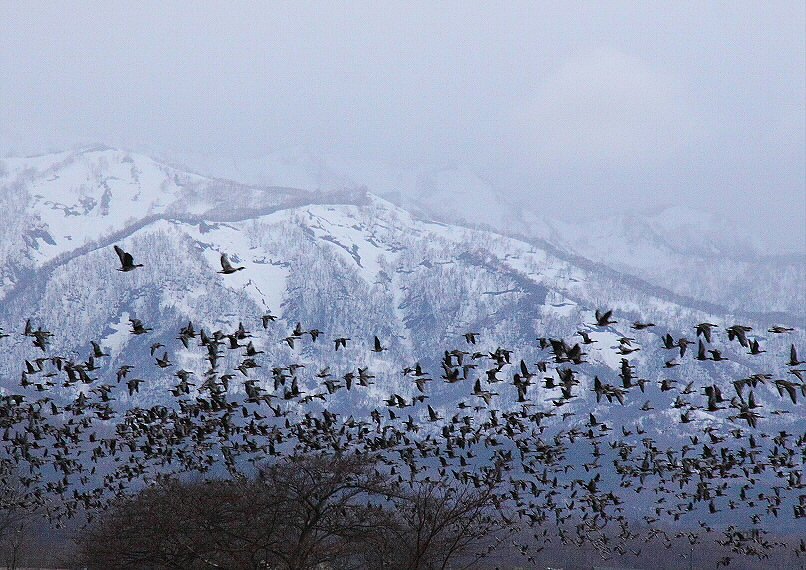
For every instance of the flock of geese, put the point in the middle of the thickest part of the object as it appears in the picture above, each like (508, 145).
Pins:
(73, 433)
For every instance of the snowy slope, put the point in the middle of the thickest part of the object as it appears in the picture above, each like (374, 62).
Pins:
(359, 264)
(359, 270)
(55, 205)
(693, 253)
(689, 252)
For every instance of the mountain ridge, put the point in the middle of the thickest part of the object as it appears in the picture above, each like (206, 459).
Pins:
(224, 211)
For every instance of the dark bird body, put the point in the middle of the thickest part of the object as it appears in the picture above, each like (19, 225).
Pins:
(603, 319)
(226, 266)
(126, 260)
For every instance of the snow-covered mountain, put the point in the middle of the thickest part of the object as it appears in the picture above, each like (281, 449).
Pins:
(347, 263)
(693, 253)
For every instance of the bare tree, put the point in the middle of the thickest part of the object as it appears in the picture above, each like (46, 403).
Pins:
(438, 523)
(327, 508)
(298, 513)
(18, 511)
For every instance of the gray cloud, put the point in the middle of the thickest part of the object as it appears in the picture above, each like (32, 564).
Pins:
(603, 106)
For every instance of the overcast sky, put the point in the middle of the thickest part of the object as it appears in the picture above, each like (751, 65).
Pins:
(572, 107)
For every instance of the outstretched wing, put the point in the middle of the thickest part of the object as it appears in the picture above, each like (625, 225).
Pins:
(225, 264)
(126, 260)
(122, 255)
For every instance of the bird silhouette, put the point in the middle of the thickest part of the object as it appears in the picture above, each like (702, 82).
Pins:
(126, 260)
(470, 337)
(739, 332)
(704, 329)
(226, 266)
(137, 327)
(603, 319)
(96, 350)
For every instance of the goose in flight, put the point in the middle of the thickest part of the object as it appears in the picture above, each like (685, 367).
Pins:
(226, 266)
(96, 350)
(163, 362)
(704, 329)
(739, 332)
(138, 328)
(754, 348)
(683, 342)
(603, 319)
(133, 385)
(586, 339)
(123, 371)
(470, 337)
(126, 261)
